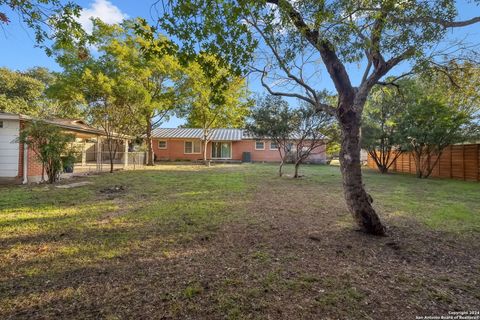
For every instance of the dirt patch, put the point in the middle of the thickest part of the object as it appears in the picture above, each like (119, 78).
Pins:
(113, 190)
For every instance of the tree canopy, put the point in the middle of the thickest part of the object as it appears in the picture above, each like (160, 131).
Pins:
(216, 99)
(272, 118)
(51, 20)
(19, 93)
(380, 133)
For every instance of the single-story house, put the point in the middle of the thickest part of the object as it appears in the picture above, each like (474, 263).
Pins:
(223, 145)
(19, 164)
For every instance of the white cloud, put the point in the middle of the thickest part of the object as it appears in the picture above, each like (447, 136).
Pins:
(102, 9)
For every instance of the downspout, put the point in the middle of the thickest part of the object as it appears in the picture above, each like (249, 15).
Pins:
(25, 164)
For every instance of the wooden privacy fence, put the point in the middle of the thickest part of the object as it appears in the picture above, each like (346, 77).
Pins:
(456, 162)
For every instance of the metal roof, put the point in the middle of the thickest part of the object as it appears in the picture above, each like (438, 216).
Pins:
(214, 135)
(197, 133)
(247, 135)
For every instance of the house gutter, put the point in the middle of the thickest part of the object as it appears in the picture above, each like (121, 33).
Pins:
(25, 164)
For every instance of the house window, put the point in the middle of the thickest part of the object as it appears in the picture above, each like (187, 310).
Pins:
(273, 146)
(1, 124)
(222, 150)
(290, 146)
(259, 145)
(192, 147)
(162, 144)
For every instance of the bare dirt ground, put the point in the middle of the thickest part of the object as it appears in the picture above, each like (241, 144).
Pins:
(281, 256)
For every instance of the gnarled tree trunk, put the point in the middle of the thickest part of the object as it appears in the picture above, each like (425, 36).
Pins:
(280, 167)
(358, 200)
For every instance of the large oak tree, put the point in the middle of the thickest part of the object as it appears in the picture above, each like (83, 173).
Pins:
(289, 38)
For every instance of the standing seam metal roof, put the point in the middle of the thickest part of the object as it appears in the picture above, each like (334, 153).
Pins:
(197, 133)
(215, 134)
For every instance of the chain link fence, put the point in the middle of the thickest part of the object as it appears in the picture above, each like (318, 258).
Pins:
(103, 161)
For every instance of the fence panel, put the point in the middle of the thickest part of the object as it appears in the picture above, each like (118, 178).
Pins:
(457, 161)
(91, 161)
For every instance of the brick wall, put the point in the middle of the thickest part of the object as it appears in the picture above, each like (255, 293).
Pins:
(175, 151)
(34, 166)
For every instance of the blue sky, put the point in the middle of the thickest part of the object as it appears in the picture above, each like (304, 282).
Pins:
(19, 52)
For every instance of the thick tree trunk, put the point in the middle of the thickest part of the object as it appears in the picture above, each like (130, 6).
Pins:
(149, 142)
(358, 201)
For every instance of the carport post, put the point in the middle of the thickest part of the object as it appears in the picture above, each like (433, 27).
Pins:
(99, 153)
(84, 154)
(125, 154)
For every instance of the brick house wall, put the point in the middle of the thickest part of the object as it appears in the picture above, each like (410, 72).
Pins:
(175, 151)
(34, 166)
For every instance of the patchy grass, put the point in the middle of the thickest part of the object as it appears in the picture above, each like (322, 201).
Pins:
(236, 242)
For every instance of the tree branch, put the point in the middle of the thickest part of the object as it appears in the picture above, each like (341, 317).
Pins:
(335, 67)
(442, 22)
(318, 105)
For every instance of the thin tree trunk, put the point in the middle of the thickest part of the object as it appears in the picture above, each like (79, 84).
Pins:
(282, 161)
(383, 169)
(297, 165)
(358, 201)
(111, 164)
(205, 146)
(149, 143)
(418, 164)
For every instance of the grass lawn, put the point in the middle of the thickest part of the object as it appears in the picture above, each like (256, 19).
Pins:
(236, 242)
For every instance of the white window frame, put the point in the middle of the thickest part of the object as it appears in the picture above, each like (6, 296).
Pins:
(166, 144)
(271, 145)
(263, 142)
(193, 147)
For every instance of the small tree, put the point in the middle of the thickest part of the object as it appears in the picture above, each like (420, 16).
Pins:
(217, 99)
(272, 119)
(380, 136)
(308, 134)
(103, 87)
(430, 126)
(50, 144)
